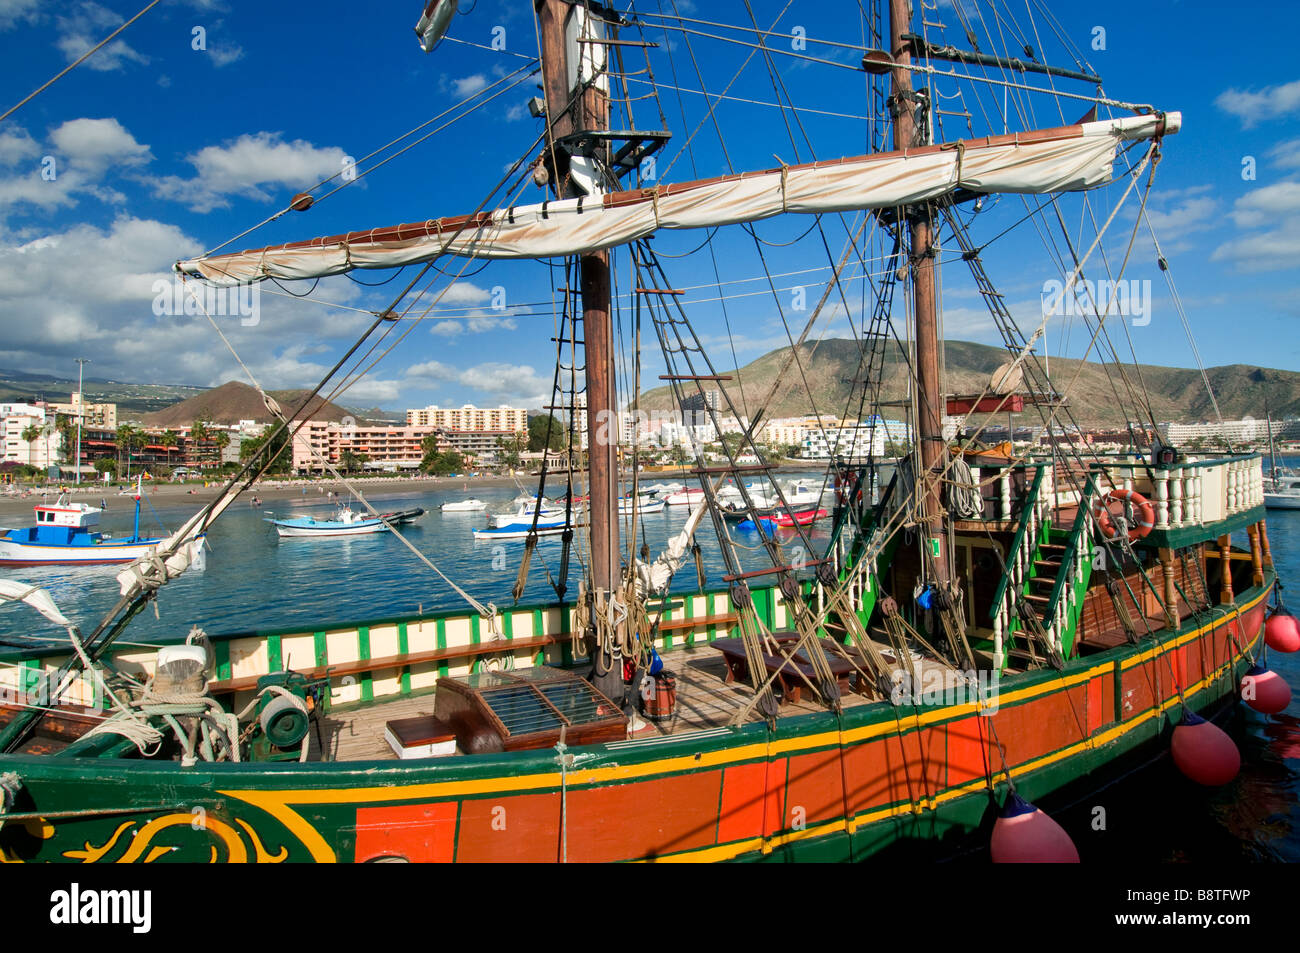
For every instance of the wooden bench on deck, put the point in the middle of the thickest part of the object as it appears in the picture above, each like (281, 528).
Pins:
(788, 670)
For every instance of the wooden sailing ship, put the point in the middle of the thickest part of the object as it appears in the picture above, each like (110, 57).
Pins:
(1051, 617)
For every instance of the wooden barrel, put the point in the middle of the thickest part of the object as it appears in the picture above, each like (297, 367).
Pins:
(661, 703)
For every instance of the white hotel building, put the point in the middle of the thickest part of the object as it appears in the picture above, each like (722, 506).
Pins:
(501, 419)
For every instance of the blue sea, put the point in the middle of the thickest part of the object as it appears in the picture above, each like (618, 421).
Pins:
(255, 580)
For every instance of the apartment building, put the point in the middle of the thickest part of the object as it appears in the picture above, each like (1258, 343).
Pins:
(501, 419)
(388, 447)
(99, 416)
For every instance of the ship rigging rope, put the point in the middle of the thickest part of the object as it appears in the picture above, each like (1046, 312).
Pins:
(75, 63)
(488, 612)
(388, 145)
(1182, 316)
(929, 71)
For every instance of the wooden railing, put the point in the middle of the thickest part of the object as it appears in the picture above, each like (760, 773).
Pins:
(1192, 493)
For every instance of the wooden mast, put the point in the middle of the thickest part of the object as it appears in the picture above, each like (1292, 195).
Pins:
(930, 442)
(589, 113)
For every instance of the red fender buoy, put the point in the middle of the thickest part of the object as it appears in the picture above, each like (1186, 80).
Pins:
(1282, 633)
(1204, 752)
(1265, 691)
(1023, 834)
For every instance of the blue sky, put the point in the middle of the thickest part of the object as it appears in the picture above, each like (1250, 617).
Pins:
(161, 151)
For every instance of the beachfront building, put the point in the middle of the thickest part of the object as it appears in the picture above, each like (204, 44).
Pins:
(97, 416)
(387, 447)
(501, 419)
(1247, 431)
(853, 442)
(15, 421)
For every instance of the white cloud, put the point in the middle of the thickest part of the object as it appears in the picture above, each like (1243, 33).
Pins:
(1274, 212)
(95, 144)
(1286, 155)
(86, 291)
(248, 168)
(88, 26)
(518, 384)
(11, 11)
(1268, 103)
(1266, 204)
(223, 54)
(17, 145)
(81, 152)
(472, 325)
(463, 292)
(468, 85)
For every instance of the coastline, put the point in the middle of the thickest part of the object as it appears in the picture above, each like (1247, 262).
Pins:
(16, 509)
(17, 505)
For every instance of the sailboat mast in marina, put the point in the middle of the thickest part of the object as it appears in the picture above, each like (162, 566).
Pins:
(993, 629)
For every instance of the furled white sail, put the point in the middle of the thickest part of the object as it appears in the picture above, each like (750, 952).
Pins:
(37, 598)
(1053, 160)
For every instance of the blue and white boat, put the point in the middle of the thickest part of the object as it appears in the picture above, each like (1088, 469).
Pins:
(65, 534)
(346, 523)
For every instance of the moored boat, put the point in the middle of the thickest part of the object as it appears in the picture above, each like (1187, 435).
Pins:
(65, 534)
(346, 522)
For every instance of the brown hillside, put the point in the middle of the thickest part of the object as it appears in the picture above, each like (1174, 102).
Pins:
(233, 402)
(1175, 394)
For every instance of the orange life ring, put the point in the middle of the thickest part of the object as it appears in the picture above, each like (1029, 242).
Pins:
(1145, 513)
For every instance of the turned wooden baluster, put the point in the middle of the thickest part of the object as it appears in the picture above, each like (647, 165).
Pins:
(1256, 555)
(1225, 568)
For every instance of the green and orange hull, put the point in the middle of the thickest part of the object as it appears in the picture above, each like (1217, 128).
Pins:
(822, 786)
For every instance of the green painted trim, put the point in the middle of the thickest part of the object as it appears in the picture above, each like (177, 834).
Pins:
(274, 654)
(403, 647)
(221, 652)
(1186, 536)
(321, 647)
(688, 612)
(367, 678)
(566, 628)
(440, 629)
(539, 629)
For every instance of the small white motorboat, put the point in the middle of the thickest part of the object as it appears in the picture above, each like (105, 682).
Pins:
(346, 523)
(685, 497)
(464, 506)
(1282, 492)
(523, 513)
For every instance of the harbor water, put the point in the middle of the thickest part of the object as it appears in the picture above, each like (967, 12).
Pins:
(255, 580)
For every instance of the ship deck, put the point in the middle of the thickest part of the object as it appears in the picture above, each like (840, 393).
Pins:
(705, 699)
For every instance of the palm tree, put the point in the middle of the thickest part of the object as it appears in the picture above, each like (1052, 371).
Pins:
(123, 439)
(31, 433)
(169, 439)
(199, 434)
(221, 439)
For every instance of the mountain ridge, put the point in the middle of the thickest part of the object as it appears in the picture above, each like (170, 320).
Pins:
(1175, 394)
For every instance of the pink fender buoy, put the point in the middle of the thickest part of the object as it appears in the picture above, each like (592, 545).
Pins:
(1204, 752)
(1282, 633)
(1023, 834)
(1265, 691)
